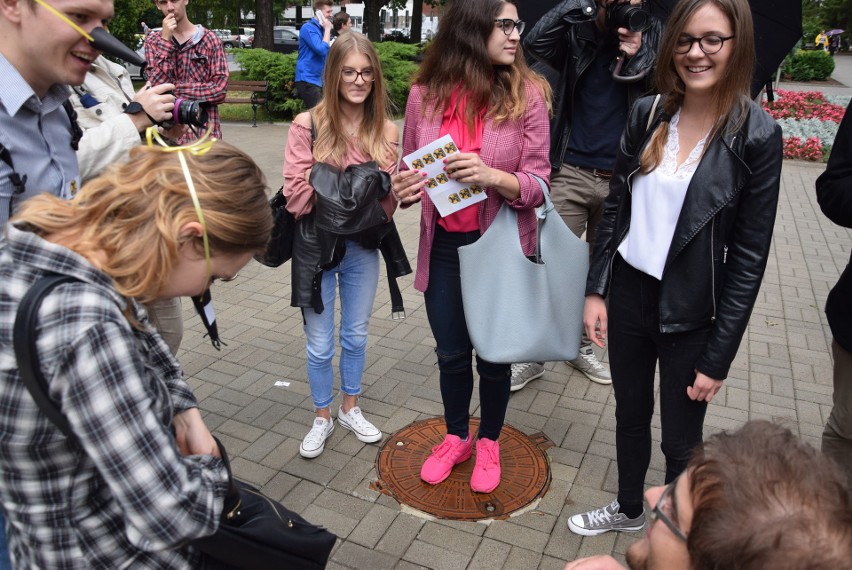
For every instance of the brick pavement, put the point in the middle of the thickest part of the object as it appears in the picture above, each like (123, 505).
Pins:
(783, 373)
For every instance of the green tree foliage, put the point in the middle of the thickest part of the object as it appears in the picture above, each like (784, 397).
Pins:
(128, 15)
(279, 70)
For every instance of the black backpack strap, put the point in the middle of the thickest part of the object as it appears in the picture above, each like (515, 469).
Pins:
(24, 339)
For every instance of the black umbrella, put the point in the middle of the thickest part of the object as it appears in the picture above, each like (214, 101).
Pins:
(777, 28)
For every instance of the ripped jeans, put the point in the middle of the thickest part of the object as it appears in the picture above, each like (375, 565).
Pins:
(445, 311)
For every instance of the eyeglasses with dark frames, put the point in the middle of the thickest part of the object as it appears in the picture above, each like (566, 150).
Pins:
(507, 25)
(709, 44)
(664, 503)
(350, 75)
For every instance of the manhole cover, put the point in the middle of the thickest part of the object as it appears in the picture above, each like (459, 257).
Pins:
(524, 463)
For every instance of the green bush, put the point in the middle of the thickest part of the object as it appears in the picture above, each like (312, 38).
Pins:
(398, 67)
(279, 70)
(809, 65)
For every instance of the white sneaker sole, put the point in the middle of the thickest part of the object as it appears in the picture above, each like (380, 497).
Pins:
(516, 387)
(310, 454)
(576, 529)
(361, 437)
(592, 377)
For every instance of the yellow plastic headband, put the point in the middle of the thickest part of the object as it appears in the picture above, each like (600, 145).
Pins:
(197, 148)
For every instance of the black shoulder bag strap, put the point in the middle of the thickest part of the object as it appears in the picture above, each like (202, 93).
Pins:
(19, 182)
(24, 339)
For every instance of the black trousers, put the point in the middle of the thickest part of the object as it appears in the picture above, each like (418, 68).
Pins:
(636, 345)
(309, 93)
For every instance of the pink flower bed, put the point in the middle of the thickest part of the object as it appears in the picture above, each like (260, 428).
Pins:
(801, 105)
(811, 149)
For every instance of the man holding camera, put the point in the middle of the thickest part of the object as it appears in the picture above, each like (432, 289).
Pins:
(193, 59)
(603, 52)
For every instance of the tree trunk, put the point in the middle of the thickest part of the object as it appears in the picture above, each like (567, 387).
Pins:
(416, 32)
(263, 24)
(372, 27)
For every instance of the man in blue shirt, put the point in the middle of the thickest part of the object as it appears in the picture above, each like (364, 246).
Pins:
(314, 41)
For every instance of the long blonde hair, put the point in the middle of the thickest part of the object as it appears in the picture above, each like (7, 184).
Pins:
(730, 95)
(127, 220)
(332, 141)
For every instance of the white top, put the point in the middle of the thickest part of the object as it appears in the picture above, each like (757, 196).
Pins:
(656, 201)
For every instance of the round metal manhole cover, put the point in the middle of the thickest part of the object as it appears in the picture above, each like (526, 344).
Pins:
(525, 476)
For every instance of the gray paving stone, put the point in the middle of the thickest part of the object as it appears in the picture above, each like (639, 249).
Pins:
(373, 525)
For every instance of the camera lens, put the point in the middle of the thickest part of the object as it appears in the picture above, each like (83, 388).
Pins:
(633, 18)
(189, 113)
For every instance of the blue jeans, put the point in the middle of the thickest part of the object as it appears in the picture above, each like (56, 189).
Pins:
(445, 311)
(357, 276)
(5, 562)
(635, 346)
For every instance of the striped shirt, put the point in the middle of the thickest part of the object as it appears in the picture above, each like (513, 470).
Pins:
(37, 134)
(121, 496)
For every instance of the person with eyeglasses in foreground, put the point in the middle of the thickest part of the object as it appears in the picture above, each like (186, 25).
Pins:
(142, 476)
(352, 126)
(752, 499)
(683, 243)
(474, 85)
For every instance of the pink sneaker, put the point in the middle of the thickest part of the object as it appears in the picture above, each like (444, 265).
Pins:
(486, 472)
(445, 456)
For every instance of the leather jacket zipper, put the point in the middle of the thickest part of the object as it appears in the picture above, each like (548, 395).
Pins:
(713, 266)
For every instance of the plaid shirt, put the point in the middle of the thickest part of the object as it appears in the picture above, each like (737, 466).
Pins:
(198, 68)
(122, 496)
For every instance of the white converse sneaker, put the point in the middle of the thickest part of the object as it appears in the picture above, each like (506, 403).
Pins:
(354, 421)
(314, 442)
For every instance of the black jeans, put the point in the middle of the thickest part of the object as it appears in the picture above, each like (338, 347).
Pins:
(309, 93)
(445, 311)
(635, 346)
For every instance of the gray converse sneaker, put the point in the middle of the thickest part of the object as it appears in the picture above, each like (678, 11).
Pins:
(314, 442)
(525, 372)
(354, 421)
(604, 520)
(587, 363)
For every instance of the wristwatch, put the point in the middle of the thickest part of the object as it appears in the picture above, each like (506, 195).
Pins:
(134, 107)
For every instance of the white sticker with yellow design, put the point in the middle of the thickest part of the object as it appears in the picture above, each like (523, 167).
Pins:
(448, 195)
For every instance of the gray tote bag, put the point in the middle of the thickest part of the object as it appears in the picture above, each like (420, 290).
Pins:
(518, 310)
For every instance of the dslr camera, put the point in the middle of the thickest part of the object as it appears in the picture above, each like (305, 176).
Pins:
(186, 112)
(623, 15)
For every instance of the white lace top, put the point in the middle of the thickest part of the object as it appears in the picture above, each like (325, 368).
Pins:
(656, 201)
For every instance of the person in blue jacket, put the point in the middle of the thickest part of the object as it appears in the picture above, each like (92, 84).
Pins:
(314, 41)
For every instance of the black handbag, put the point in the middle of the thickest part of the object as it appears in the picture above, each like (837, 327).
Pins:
(255, 532)
(280, 247)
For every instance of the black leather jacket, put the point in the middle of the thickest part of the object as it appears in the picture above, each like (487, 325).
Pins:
(564, 39)
(834, 192)
(721, 241)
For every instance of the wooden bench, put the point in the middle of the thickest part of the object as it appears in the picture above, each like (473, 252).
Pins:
(254, 93)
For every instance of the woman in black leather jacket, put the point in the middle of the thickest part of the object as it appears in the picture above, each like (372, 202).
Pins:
(682, 247)
(348, 127)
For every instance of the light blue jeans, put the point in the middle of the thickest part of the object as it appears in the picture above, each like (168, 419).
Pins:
(356, 277)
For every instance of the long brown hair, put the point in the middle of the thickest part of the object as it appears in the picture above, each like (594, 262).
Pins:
(731, 94)
(128, 219)
(332, 140)
(458, 57)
